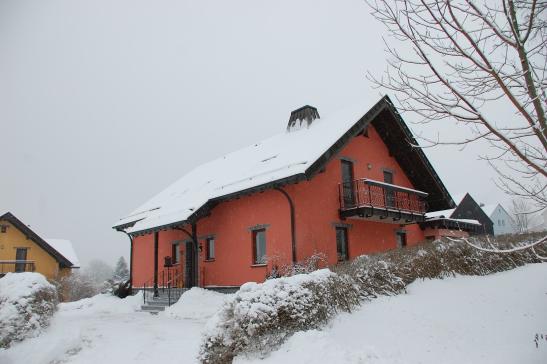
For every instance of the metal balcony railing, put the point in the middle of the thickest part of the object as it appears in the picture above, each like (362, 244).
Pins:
(370, 193)
(16, 266)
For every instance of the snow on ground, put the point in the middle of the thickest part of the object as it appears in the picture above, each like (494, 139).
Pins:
(490, 319)
(104, 329)
(196, 304)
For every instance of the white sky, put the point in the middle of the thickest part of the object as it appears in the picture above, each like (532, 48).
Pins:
(104, 103)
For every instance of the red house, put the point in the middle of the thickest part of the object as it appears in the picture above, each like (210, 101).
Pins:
(344, 185)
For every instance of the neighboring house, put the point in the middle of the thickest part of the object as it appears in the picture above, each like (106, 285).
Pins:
(467, 216)
(503, 223)
(345, 185)
(22, 250)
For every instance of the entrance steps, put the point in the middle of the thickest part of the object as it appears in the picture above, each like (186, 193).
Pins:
(157, 304)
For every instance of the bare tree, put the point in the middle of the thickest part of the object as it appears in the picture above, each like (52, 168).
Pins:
(521, 212)
(459, 60)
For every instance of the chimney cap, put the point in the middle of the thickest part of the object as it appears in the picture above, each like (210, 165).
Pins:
(307, 113)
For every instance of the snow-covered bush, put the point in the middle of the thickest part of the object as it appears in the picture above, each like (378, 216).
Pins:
(259, 317)
(27, 303)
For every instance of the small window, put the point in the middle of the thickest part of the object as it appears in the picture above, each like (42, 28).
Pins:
(3, 229)
(210, 248)
(342, 243)
(503, 222)
(401, 239)
(175, 253)
(259, 246)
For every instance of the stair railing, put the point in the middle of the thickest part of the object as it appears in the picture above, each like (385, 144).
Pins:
(165, 278)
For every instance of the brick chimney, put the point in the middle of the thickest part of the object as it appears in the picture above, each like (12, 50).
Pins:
(304, 114)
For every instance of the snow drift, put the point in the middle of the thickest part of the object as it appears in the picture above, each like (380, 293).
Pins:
(27, 303)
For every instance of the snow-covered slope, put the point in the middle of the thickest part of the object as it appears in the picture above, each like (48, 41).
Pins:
(65, 248)
(491, 319)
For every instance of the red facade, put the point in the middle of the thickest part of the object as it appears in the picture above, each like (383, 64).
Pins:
(317, 205)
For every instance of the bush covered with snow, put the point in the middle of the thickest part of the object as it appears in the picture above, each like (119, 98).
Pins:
(259, 317)
(27, 302)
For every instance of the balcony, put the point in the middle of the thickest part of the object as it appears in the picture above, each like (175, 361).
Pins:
(378, 201)
(16, 266)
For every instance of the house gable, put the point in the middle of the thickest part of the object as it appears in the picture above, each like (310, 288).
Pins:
(36, 239)
(470, 209)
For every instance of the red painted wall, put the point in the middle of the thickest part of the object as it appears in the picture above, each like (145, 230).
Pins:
(316, 205)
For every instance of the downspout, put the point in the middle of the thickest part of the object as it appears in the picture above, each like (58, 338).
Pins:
(293, 227)
(156, 238)
(130, 260)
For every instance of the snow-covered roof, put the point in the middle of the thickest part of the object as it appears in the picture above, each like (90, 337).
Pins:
(283, 155)
(65, 248)
(441, 213)
(289, 154)
(466, 221)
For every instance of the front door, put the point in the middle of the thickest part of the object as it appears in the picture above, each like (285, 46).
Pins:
(347, 184)
(20, 257)
(189, 264)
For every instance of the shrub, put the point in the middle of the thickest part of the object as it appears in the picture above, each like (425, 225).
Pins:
(259, 317)
(27, 303)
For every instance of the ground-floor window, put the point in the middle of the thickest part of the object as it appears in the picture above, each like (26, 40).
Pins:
(175, 253)
(259, 246)
(342, 243)
(210, 248)
(401, 239)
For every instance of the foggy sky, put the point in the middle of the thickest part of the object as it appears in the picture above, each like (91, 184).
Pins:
(105, 103)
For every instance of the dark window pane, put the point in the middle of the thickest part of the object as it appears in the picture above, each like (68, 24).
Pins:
(20, 257)
(347, 183)
(342, 243)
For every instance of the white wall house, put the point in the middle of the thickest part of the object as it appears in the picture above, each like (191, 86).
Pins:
(503, 222)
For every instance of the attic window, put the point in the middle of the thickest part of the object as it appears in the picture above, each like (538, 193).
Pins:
(269, 158)
(4, 229)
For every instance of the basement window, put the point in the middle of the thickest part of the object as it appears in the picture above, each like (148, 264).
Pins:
(259, 246)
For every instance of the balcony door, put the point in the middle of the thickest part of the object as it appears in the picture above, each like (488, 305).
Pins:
(20, 257)
(347, 183)
(390, 194)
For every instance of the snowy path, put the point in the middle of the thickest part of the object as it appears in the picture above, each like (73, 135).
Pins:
(459, 320)
(489, 319)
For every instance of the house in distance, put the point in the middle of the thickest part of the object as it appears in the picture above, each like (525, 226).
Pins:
(344, 185)
(23, 250)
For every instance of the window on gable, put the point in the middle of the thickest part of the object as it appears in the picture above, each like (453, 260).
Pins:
(342, 243)
(210, 248)
(259, 246)
(3, 228)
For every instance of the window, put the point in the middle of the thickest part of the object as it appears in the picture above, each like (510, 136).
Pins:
(3, 228)
(210, 249)
(347, 183)
(401, 239)
(175, 253)
(20, 257)
(390, 194)
(259, 246)
(503, 222)
(342, 243)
